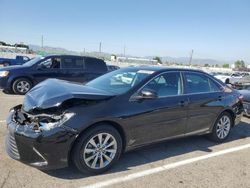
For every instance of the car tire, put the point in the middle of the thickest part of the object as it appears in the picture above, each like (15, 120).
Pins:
(21, 86)
(6, 64)
(222, 127)
(91, 157)
(227, 81)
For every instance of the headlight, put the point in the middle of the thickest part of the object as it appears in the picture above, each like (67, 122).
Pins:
(50, 125)
(4, 73)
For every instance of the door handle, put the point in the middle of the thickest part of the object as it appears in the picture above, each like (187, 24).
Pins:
(220, 98)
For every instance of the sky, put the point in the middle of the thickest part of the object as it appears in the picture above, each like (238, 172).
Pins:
(215, 29)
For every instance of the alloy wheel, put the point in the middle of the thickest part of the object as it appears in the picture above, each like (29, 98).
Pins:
(100, 151)
(23, 86)
(223, 127)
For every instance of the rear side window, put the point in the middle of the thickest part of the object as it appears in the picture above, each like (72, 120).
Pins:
(51, 63)
(95, 64)
(199, 83)
(73, 63)
(214, 86)
(79, 63)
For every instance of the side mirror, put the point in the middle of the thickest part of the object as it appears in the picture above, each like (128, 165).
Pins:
(146, 94)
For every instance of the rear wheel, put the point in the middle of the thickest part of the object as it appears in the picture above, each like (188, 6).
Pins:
(227, 81)
(5, 64)
(222, 127)
(21, 86)
(97, 149)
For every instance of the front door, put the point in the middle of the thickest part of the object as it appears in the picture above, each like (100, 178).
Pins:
(48, 68)
(162, 117)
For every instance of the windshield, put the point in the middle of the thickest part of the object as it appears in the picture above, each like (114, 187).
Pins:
(119, 81)
(33, 61)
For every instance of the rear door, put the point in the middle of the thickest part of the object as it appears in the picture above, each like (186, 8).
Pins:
(73, 68)
(94, 68)
(205, 101)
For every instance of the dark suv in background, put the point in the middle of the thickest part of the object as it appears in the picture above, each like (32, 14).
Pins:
(20, 79)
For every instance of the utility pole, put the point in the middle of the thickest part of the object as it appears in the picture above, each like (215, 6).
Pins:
(42, 41)
(100, 47)
(124, 51)
(191, 57)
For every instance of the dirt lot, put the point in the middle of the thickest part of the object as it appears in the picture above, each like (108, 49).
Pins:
(162, 165)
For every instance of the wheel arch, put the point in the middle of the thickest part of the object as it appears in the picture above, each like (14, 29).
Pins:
(13, 79)
(114, 124)
(25, 77)
(230, 111)
(227, 81)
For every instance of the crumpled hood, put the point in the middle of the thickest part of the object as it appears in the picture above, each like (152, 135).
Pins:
(246, 94)
(52, 92)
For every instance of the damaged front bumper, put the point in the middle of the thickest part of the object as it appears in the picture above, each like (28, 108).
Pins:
(47, 149)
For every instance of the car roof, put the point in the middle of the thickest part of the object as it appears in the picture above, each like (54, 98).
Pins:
(65, 55)
(162, 68)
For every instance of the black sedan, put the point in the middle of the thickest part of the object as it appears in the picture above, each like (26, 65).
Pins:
(93, 124)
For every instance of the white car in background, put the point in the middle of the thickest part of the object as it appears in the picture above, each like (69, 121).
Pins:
(231, 78)
(222, 76)
(125, 78)
(238, 77)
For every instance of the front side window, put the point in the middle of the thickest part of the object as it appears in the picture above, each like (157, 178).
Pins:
(168, 84)
(199, 83)
(51, 63)
(214, 86)
(33, 61)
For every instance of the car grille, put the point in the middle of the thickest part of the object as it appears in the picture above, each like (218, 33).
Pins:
(11, 147)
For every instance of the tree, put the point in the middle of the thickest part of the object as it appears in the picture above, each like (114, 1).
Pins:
(206, 65)
(239, 64)
(225, 65)
(158, 59)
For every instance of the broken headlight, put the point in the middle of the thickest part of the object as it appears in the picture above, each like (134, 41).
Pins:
(50, 123)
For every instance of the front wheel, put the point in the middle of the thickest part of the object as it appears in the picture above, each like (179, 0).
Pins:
(21, 86)
(6, 64)
(222, 127)
(97, 149)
